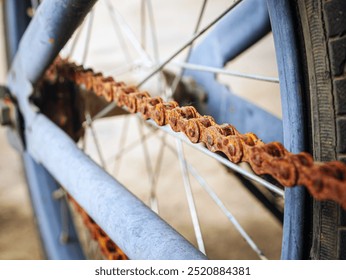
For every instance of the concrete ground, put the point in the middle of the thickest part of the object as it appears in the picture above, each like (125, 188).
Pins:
(18, 236)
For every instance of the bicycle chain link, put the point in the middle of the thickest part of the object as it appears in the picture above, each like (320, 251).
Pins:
(324, 181)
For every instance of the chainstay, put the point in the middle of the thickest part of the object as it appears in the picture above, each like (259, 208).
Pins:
(324, 181)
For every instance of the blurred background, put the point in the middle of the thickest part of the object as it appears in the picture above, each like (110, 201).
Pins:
(175, 22)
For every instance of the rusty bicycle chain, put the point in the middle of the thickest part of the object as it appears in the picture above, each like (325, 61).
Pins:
(324, 181)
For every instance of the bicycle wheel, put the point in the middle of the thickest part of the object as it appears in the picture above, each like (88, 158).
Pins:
(290, 17)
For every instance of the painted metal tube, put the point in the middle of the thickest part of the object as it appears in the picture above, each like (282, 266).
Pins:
(132, 225)
(53, 25)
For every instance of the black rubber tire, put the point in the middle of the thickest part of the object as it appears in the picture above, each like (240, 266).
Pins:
(323, 25)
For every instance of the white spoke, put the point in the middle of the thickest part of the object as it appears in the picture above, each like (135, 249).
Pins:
(143, 24)
(97, 144)
(153, 31)
(153, 194)
(228, 214)
(189, 196)
(119, 32)
(147, 158)
(202, 182)
(178, 77)
(123, 137)
(225, 72)
(129, 34)
(75, 41)
(122, 150)
(88, 36)
(188, 43)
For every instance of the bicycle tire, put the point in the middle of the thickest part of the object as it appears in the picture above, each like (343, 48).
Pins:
(323, 31)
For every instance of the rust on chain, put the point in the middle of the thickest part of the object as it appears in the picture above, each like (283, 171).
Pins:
(324, 181)
(108, 248)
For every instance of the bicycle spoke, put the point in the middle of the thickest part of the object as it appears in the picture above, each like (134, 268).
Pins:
(118, 71)
(131, 146)
(123, 137)
(202, 182)
(189, 196)
(83, 140)
(153, 31)
(228, 214)
(129, 33)
(180, 75)
(96, 142)
(118, 32)
(161, 85)
(88, 36)
(157, 170)
(75, 41)
(143, 24)
(148, 163)
(104, 111)
(226, 72)
(188, 43)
